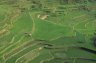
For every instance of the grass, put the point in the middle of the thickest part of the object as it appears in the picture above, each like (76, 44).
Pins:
(24, 30)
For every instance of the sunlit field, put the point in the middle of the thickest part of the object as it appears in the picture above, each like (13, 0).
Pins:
(47, 31)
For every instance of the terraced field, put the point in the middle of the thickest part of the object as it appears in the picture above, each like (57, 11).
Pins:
(47, 31)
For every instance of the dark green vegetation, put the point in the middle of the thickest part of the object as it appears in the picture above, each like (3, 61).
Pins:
(47, 31)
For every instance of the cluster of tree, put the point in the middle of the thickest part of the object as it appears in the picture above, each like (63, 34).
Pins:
(94, 39)
(75, 1)
(92, 0)
(9, 2)
(84, 7)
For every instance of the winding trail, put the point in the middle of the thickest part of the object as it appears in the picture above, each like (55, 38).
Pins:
(33, 27)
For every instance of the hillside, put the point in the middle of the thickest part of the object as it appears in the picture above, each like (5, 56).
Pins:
(47, 31)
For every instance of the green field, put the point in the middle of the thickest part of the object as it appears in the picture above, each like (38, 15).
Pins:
(47, 31)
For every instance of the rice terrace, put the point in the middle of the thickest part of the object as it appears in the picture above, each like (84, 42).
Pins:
(47, 31)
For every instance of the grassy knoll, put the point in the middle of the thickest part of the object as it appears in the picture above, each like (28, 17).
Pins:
(47, 31)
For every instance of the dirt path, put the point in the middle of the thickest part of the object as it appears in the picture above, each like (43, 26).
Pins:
(33, 27)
